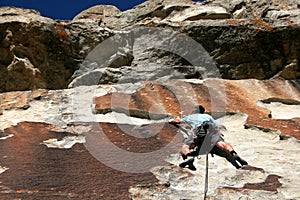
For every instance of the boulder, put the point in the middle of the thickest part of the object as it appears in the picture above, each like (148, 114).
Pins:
(98, 12)
(200, 12)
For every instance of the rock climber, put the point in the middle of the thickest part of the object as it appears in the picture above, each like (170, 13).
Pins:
(213, 138)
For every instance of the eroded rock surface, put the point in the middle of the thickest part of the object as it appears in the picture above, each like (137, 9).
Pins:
(267, 180)
(152, 103)
(31, 170)
(107, 136)
(38, 52)
(61, 132)
(177, 98)
(245, 39)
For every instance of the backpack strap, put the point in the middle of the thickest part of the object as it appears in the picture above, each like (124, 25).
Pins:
(202, 129)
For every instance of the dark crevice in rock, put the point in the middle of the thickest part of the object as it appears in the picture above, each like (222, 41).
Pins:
(209, 16)
(264, 129)
(142, 114)
(285, 137)
(279, 100)
(270, 184)
(295, 84)
(238, 6)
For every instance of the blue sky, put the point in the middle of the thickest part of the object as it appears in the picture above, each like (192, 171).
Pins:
(67, 9)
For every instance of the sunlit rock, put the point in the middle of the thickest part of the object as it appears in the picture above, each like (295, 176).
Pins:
(65, 143)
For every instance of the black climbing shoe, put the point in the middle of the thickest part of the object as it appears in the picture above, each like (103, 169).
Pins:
(192, 167)
(241, 161)
(232, 160)
(238, 158)
(188, 163)
(234, 163)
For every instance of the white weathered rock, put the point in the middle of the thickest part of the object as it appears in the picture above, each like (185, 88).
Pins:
(4, 138)
(13, 14)
(65, 143)
(3, 169)
(200, 12)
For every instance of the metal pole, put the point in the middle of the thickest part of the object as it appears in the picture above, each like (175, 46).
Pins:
(206, 178)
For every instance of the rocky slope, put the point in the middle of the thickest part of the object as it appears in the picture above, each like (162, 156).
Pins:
(85, 103)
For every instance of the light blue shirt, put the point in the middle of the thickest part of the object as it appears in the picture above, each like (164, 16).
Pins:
(197, 119)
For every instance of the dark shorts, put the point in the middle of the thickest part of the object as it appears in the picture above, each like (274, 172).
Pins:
(212, 138)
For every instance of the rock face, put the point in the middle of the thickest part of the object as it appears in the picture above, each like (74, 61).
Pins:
(245, 39)
(38, 172)
(38, 52)
(99, 90)
(266, 181)
(130, 120)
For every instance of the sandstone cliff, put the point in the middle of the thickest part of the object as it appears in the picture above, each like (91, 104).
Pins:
(84, 103)
(125, 132)
(246, 39)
